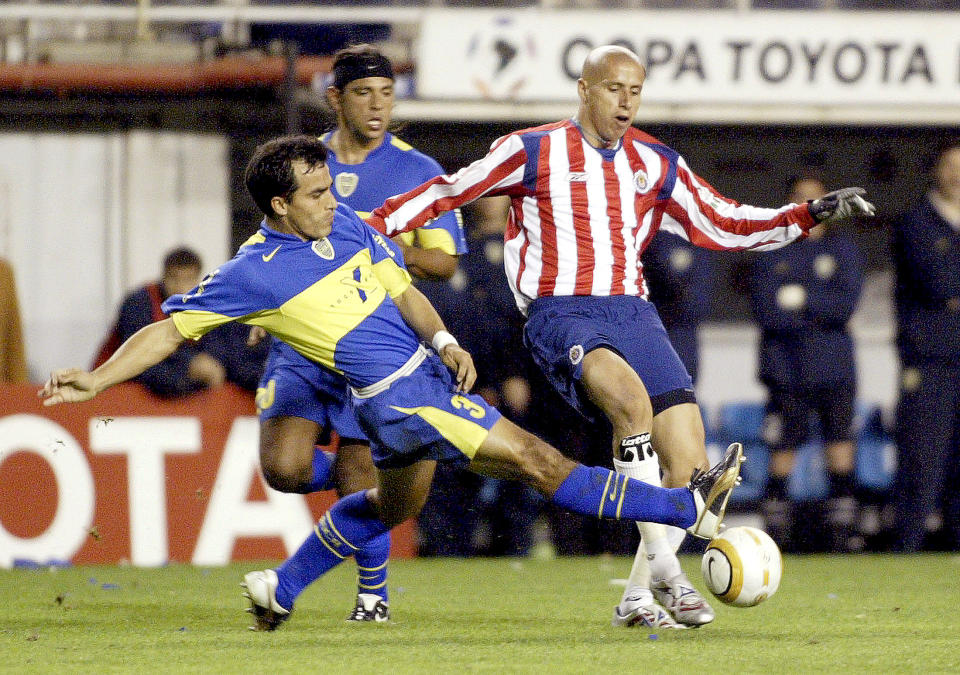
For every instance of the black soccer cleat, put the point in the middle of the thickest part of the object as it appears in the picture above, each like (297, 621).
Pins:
(370, 607)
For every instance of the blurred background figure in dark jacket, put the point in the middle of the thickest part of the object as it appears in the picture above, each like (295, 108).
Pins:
(803, 297)
(926, 251)
(221, 356)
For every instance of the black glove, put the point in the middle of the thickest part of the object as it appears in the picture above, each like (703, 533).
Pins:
(841, 204)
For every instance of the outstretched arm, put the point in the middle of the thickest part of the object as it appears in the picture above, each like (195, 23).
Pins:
(424, 320)
(147, 347)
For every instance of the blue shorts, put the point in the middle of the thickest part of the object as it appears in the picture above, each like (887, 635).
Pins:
(294, 386)
(421, 416)
(561, 330)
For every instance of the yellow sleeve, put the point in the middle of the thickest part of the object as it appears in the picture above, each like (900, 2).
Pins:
(193, 324)
(437, 238)
(393, 277)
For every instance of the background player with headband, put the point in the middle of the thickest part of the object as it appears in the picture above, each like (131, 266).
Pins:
(297, 400)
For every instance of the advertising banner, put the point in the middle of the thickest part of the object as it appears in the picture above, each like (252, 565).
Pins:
(759, 57)
(129, 477)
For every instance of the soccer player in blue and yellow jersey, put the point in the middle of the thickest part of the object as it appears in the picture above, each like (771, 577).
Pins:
(320, 279)
(298, 401)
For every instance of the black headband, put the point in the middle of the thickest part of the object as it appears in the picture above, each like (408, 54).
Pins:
(357, 66)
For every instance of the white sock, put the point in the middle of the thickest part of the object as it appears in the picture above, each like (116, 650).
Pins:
(655, 557)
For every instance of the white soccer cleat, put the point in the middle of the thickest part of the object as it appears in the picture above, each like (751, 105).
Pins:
(262, 593)
(370, 607)
(683, 601)
(711, 491)
(643, 610)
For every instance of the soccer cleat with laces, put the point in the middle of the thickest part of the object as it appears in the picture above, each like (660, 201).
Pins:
(370, 607)
(642, 610)
(261, 591)
(683, 601)
(711, 491)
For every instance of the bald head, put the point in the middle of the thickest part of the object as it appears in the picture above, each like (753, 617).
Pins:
(602, 58)
(609, 89)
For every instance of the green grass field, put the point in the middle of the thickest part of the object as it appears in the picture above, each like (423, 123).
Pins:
(831, 614)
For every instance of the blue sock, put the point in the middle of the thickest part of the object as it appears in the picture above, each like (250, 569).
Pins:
(599, 492)
(340, 533)
(372, 566)
(322, 470)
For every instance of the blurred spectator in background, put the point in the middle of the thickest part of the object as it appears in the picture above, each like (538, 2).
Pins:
(222, 355)
(926, 251)
(803, 295)
(681, 279)
(13, 361)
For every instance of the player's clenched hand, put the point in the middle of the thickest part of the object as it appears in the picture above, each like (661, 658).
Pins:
(68, 386)
(458, 359)
(841, 204)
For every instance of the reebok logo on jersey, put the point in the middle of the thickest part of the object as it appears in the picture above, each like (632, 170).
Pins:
(269, 256)
(577, 177)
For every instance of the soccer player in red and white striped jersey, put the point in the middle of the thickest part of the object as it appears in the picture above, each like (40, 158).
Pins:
(587, 196)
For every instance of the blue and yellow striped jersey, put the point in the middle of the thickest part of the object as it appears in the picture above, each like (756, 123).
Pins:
(394, 168)
(331, 299)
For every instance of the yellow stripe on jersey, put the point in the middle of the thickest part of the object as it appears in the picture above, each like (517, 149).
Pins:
(393, 277)
(256, 238)
(466, 436)
(353, 291)
(403, 145)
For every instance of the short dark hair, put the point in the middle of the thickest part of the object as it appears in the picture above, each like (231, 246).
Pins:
(269, 172)
(181, 257)
(359, 61)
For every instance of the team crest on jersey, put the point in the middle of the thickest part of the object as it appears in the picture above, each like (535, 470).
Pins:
(346, 183)
(641, 181)
(576, 354)
(323, 248)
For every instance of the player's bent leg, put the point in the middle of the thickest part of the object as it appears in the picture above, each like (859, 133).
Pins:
(616, 389)
(353, 472)
(679, 439)
(401, 493)
(287, 453)
(354, 469)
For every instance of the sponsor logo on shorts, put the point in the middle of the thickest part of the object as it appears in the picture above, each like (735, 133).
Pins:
(576, 354)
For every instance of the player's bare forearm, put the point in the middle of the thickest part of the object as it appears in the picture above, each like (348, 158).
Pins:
(145, 348)
(419, 314)
(428, 263)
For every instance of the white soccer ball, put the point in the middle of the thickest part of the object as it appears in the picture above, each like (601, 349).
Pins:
(742, 566)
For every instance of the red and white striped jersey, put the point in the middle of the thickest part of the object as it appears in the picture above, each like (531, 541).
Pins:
(581, 217)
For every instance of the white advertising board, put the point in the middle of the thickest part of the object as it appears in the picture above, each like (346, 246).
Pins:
(697, 57)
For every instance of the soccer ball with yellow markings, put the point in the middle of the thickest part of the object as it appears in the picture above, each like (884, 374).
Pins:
(742, 566)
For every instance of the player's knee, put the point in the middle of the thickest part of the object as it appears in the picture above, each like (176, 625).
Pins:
(284, 472)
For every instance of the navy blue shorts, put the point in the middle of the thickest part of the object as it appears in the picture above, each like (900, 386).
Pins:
(294, 386)
(421, 416)
(561, 330)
